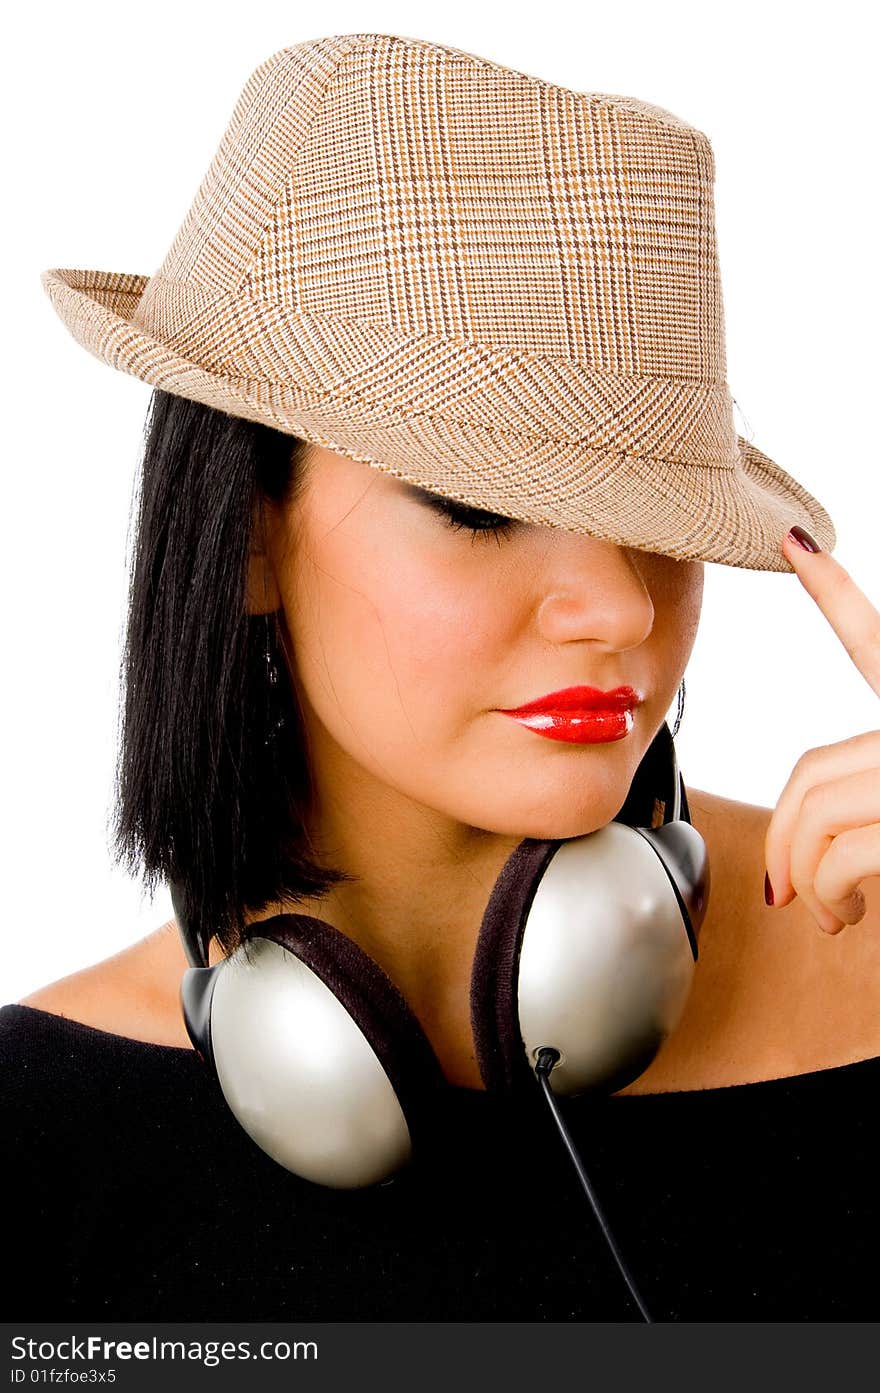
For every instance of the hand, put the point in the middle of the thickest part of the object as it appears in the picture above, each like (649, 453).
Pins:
(823, 839)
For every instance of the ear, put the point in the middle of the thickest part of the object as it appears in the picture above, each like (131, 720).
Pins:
(263, 593)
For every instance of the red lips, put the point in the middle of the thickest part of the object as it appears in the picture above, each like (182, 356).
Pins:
(573, 699)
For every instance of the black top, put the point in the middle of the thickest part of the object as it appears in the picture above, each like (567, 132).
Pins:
(134, 1194)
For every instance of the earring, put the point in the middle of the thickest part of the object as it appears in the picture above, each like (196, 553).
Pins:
(679, 709)
(276, 723)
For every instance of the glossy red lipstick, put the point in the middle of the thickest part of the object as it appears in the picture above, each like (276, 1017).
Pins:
(579, 715)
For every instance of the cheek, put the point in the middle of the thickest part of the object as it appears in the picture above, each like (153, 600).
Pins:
(689, 603)
(383, 629)
(677, 594)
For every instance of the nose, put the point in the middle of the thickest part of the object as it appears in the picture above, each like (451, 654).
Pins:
(593, 591)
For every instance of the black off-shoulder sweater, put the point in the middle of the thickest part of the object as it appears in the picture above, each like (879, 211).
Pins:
(131, 1193)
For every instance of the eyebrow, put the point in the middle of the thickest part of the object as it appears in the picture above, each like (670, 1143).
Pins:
(424, 495)
(418, 491)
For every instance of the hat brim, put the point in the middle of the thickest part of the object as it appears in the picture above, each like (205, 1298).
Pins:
(735, 516)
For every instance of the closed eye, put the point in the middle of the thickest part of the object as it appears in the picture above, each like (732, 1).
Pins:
(463, 517)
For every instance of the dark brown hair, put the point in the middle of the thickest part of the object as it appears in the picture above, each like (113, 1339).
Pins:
(210, 790)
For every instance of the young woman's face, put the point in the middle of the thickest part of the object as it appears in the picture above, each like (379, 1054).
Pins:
(408, 635)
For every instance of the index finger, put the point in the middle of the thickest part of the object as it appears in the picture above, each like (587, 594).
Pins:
(846, 607)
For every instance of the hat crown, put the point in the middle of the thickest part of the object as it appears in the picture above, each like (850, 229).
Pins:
(392, 182)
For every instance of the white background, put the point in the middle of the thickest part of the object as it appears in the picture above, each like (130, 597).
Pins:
(112, 117)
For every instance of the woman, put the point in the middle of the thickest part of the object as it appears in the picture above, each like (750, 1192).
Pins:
(441, 428)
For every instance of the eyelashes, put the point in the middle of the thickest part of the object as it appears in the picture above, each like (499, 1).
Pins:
(461, 517)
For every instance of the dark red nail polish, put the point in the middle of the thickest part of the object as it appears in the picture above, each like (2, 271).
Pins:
(803, 538)
(768, 889)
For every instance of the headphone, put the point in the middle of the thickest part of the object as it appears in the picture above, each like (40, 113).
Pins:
(582, 966)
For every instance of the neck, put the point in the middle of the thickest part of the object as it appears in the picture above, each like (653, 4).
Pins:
(422, 881)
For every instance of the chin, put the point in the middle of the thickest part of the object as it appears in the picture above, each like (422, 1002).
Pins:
(559, 824)
(563, 831)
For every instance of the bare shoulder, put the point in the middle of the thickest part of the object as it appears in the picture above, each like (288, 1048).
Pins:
(132, 993)
(713, 814)
(735, 835)
(772, 996)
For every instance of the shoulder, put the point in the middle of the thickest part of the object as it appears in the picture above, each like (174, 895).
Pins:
(735, 835)
(133, 993)
(724, 820)
(772, 996)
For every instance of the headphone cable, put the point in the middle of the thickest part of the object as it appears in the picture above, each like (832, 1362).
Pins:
(547, 1058)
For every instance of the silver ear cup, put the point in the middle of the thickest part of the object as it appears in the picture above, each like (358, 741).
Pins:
(607, 961)
(299, 1074)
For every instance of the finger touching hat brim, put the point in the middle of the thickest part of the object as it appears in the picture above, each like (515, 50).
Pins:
(735, 515)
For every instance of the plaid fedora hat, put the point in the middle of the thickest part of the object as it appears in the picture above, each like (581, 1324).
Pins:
(496, 288)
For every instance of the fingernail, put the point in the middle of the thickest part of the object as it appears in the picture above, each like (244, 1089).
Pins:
(768, 889)
(803, 538)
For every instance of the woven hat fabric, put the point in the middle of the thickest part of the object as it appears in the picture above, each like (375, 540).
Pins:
(494, 287)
